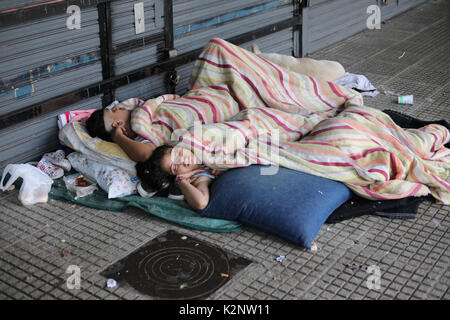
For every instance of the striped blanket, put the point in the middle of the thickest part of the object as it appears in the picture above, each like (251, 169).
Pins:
(167, 117)
(244, 110)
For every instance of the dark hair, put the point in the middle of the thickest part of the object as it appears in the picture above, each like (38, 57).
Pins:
(150, 172)
(95, 126)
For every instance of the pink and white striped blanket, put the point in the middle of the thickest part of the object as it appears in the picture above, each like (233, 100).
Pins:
(245, 110)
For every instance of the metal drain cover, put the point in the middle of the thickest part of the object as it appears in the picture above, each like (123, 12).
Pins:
(176, 266)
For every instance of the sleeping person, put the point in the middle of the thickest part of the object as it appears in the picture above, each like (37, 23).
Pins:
(168, 165)
(252, 111)
(114, 125)
(139, 126)
(398, 167)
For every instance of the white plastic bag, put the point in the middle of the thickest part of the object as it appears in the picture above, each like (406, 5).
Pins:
(79, 191)
(35, 186)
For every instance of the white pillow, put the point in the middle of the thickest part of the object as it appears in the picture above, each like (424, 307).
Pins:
(75, 136)
(115, 181)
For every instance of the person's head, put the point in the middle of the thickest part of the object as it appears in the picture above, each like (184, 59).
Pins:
(102, 121)
(164, 164)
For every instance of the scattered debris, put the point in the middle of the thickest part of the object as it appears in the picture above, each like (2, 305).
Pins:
(435, 223)
(388, 92)
(319, 191)
(402, 55)
(27, 278)
(281, 258)
(79, 186)
(224, 275)
(328, 229)
(355, 266)
(314, 247)
(429, 99)
(64, 253)
(255, 48)
(184, 285)
(111, 283)
(11, 187)
(406, 99)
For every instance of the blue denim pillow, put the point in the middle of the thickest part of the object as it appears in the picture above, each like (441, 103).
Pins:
(290, 204)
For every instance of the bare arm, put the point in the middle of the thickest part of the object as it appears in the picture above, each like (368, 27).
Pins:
(137, 151)
(197, 193)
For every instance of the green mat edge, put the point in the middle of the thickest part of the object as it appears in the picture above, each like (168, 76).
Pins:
(135, 201)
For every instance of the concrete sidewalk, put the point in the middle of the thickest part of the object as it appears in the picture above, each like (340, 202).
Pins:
(409, 55)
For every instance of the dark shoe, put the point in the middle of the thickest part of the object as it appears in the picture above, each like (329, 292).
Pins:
(405, 208)
(397, 214)
(175, 192)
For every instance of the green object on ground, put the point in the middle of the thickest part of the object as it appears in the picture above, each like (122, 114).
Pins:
(171, 210)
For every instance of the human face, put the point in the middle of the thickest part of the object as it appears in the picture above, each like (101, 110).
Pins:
(177, 161)
(116, 117)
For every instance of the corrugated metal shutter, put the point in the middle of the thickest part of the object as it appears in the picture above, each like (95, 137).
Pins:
(329, 21)
(18, 3)
(408, 4)
(388, 10)
(145, 89)
(395, 7)
(40, 60)
(43, 59)
(133, 51)
(197, 21)
(32, 138)
(278, 42)
(185, 73)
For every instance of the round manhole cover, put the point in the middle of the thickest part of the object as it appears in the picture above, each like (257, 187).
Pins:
(175, 267)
